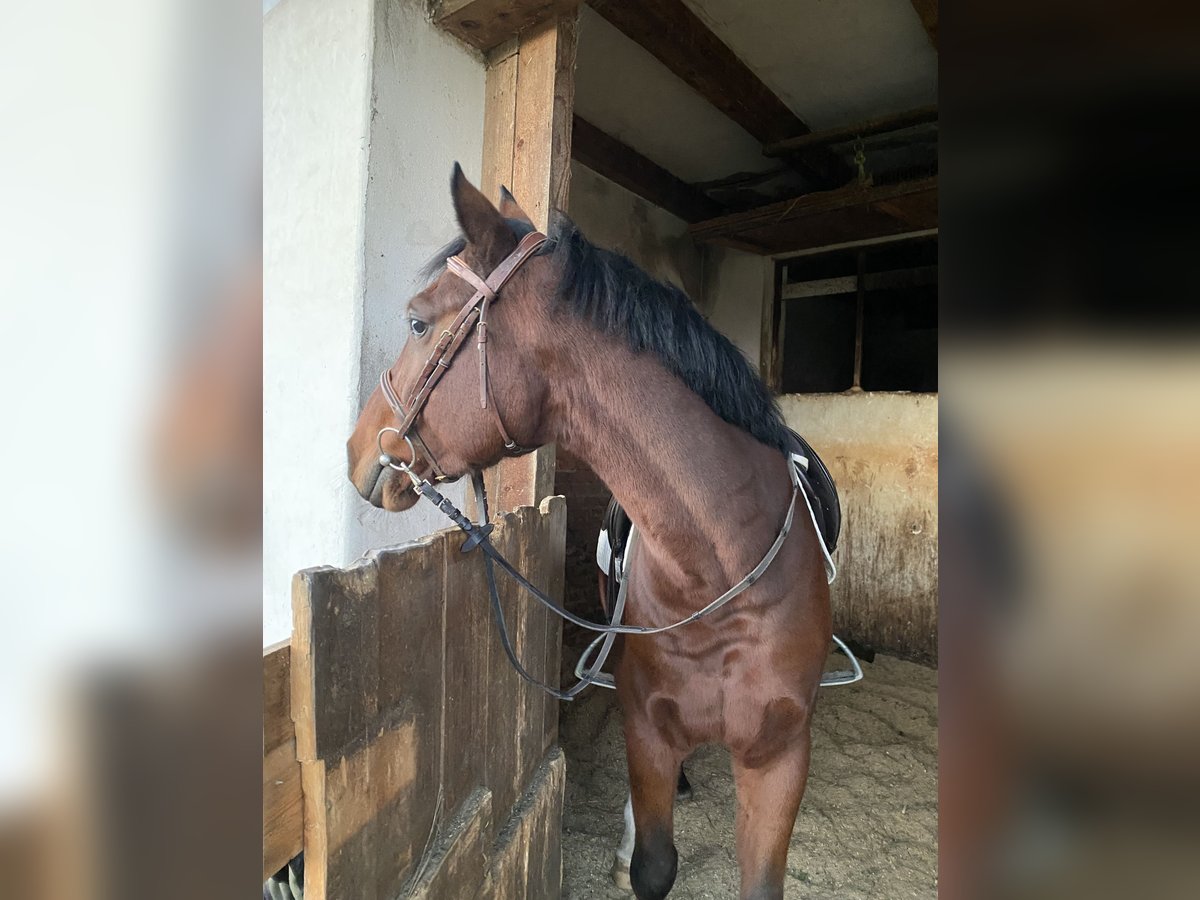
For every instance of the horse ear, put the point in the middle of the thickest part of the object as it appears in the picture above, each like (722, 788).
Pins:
(481, 222)
(510, 209)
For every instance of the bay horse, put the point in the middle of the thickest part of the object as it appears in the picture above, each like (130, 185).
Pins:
(582, 349)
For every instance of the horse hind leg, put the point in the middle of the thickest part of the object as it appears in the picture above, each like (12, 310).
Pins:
(768, 798)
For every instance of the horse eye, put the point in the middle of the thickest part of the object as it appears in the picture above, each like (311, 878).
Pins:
(418, 327)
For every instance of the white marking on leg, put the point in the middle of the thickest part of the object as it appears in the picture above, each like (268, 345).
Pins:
(625, 851)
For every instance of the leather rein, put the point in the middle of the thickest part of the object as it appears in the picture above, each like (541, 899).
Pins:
(474, 315)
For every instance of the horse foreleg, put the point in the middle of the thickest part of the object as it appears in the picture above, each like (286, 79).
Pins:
(653, 774)
(624, 856)
(768, 795)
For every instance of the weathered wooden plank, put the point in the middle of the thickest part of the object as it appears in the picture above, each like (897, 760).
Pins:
(379, 808)
(368, 664)
(621, 164)
(540, 151)
(316, 833)
(283, 808)
(499, 118)
(277, 696)
(486, 23)
(553, 534)
(544, 109)
(459, 865)
(769, 359)
(411, 633)
(470, 644)
(504, 700)
(437, 716)
(531, 710)
(808, 204)
(364, 639)
(830, 217)
(335, 657)
(527, 864)
(922, 115)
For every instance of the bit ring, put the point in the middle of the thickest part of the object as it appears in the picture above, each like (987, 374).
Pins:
(385, 458)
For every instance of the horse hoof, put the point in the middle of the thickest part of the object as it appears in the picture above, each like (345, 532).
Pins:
(620, 875)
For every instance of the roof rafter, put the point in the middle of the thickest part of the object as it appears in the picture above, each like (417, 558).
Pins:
(676, 37)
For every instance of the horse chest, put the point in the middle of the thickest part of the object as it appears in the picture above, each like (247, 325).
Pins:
(730, 693)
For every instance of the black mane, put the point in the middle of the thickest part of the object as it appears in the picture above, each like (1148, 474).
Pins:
(610, 292)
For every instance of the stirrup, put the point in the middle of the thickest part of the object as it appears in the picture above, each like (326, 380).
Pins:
(600, 679)
(843, 676)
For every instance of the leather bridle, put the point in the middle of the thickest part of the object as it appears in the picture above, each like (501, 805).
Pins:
(473, 315)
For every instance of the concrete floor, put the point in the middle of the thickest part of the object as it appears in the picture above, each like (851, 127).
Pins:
(867, 828)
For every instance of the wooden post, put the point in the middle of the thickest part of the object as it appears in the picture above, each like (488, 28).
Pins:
(860, 284)
(530, 95)
(770, 359)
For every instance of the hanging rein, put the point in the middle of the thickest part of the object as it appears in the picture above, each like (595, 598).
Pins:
(473, 315)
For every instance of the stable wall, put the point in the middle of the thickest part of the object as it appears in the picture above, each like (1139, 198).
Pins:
(882, 450)
(366, 105)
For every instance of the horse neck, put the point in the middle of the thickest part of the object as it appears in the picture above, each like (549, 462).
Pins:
(706, 497)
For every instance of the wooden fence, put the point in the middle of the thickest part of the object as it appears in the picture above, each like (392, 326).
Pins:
(401, 752)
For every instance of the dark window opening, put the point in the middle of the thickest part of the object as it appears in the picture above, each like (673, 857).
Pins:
(899, 340)
(860, 318)
(820, 342)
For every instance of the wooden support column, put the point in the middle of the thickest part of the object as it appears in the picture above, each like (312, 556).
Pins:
(527, 147)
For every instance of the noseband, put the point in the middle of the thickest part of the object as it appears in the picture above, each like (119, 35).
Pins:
(472, 315)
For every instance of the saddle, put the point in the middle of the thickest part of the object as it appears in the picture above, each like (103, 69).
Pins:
(815, 479)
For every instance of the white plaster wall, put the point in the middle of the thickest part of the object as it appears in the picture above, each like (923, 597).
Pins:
(365, 107)
(735, 282)
(882, 450)
(426, 112)
(316, 74)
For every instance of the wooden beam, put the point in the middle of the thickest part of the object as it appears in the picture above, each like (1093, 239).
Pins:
(621, 164)
(928, 11)
(283, 807)
(485, 24)
(676, 37)
(921, 116)
(847, 214)
(529, 102)
(824, 201)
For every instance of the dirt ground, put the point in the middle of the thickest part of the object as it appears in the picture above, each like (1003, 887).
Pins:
(867, 827)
